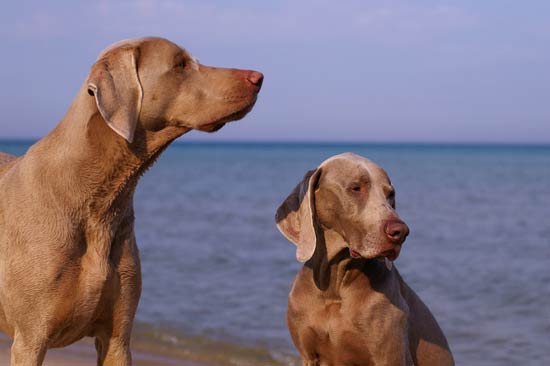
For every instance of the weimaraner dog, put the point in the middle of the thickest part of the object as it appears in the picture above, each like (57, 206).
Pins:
(69, 264)
(348, 305)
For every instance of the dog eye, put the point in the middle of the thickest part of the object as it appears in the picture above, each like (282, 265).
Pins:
(391, 198)
(181, 64)
(355, 187)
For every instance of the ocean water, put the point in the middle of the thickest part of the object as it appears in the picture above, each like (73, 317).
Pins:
(216, 272)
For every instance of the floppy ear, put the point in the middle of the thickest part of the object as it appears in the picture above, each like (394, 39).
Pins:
(296, 216)
(115, 84)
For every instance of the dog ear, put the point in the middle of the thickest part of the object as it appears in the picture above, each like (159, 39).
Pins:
(296, 216)
(115, 84)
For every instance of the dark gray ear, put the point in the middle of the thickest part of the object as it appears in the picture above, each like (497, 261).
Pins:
(115, 84)
(295, 217)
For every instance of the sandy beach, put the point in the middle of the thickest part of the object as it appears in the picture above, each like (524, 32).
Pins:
(197, 351)
(83, 354)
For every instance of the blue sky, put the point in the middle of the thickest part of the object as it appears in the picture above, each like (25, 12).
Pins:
(348, 70)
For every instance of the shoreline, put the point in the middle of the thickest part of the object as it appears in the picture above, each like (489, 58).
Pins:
(82, 353)
(194, 352)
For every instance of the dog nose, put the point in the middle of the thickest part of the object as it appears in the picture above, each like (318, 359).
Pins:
(396, 231)
(256, 78)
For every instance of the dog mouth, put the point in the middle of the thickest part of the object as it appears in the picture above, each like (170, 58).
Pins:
(387, 257)
(212, 127)
(354, 254)
(234, 116)
(390, 254)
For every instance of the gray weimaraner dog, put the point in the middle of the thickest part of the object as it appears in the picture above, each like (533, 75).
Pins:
(348, 305)
(69, 264)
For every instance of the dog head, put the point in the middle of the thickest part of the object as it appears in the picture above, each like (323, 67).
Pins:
(349, 195)
(151, 83)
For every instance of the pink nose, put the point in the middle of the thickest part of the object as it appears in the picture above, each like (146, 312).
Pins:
(396, 230)
(256, 78)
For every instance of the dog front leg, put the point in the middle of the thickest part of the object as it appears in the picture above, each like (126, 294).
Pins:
(113, 352)
(27, 353)
(113, 339)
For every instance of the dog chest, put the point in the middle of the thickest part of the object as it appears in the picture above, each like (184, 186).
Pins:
(352, 330)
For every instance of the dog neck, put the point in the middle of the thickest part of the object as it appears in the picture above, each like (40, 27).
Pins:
(332, 266)
(92, 167)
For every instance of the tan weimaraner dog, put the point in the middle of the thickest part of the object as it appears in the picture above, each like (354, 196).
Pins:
(69, 264)
(348, 305)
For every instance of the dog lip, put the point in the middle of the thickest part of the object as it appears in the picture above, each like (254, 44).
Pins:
(235, 116)
(212, 126)
(354, 254)
(215, 127)
(391, 254)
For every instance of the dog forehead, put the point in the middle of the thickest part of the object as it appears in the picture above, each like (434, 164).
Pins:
(157, 42)
(351, 166)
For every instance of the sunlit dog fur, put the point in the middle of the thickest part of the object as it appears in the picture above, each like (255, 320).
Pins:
(69, 264)
(348, 305)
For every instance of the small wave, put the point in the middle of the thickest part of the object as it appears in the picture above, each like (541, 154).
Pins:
(205, 350)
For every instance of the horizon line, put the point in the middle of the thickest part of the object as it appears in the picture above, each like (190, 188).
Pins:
(328, 142)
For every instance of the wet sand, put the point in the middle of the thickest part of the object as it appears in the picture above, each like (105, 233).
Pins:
(83, 354)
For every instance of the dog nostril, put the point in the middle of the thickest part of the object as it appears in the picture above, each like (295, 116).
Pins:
(396, 230)
(395, 233)
(255, 78)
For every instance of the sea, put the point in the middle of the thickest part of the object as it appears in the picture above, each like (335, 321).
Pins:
(216, 272)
